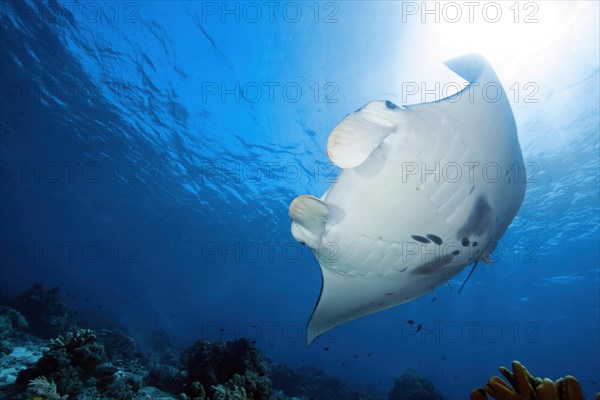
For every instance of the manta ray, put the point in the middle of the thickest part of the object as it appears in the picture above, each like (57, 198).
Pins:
(424, 190)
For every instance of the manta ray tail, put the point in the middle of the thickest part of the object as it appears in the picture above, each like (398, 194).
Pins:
(468, 276)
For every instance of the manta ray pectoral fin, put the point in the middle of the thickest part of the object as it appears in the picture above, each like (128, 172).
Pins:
(346, 296)
(337, 303)
(309, 216)
(353, 139)
(469, 66)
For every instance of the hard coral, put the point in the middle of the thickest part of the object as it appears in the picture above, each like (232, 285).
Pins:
(72, 362)
(311, 383)
(412, 386)
(10, 321)
(70, 341)
(82, 347)
(218, 363)
(526, 387)
(119, 347)
(43, 309)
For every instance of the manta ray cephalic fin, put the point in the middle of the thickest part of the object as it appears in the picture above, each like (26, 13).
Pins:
(353, 139)
(309, 216)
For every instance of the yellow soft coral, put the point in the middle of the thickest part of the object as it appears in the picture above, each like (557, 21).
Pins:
(523, 386)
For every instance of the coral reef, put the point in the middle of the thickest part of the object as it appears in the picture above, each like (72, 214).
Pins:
(12, 324)
(158, 341)
(23, 355)
(119, 347)
(71, 341)
(11, 321)
(42, 387)
(83, 364)
(412, 386)
(525, 387)
(311, 383)
(232, 369)
(77, 361)
(165, 377)
(43, 309)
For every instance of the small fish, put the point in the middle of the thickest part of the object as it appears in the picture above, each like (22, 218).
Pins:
(355, 356)
(419, 327)
(410, 322)
(443, 358)
(432, 300)
(369, 355)
(253, 342)
(326, 348)
(222, 330)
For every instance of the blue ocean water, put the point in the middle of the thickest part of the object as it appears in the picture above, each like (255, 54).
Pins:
(150, 150)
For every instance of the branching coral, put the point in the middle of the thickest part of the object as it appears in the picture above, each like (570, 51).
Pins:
(527, 387)
(229, 393)
(73, 340)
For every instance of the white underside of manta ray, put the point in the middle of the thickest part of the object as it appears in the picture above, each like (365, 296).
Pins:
(387, 232)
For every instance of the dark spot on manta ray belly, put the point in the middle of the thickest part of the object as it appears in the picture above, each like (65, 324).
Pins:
(456, 252)
(432, 267)
(435, 239)
(465, 241)
(480, 219)
(420, 239)
(390, 105)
